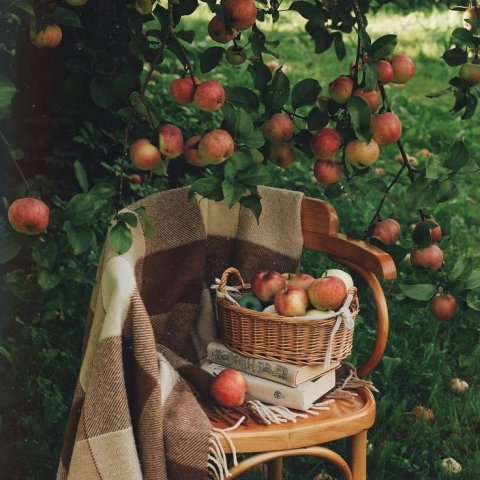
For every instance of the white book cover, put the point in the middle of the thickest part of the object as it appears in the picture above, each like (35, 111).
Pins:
(286, 373)
(273, 393)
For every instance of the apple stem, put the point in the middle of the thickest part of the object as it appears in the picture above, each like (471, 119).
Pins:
(15, 163)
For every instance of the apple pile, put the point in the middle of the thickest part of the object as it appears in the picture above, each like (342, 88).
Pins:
(300, 294)
(385, 126)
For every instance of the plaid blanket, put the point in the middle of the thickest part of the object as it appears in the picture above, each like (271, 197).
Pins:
(132, 415)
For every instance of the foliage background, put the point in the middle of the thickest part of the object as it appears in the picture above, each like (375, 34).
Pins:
(66, 128)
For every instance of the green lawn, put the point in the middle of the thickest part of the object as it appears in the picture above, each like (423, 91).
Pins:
(422, 355)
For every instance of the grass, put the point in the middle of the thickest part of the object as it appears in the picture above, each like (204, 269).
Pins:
(422, 354)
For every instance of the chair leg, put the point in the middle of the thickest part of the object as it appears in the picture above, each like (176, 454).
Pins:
(357, 448)
(274, 469)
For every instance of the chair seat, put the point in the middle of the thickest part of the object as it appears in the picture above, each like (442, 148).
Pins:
(345, 418)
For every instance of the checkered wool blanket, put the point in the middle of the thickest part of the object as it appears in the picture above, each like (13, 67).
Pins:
(133, 416)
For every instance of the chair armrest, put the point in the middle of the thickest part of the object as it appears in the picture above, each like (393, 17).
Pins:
(358, 252)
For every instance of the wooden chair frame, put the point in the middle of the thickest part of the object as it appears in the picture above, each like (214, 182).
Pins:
(320, 233)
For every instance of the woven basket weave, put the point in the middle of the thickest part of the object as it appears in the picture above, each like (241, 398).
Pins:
(275, 337)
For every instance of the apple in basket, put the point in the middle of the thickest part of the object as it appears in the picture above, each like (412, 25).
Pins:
(327, 293)
(266, 283)
(228, 388)
(291, 301)
(302, 280)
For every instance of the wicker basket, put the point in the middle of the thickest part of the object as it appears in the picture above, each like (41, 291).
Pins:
(274, 337)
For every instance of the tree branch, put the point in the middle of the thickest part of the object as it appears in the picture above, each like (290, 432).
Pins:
(15, 163)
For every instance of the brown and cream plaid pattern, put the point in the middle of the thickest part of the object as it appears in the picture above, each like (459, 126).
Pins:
(132, 415)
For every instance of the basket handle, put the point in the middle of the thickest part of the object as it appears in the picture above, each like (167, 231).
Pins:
(223, 281)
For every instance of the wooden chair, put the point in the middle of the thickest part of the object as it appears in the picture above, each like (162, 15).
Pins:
(353, 418)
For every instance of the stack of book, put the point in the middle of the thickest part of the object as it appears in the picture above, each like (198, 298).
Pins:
(273, 382)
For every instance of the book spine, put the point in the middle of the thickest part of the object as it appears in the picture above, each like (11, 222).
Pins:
(275, 393)
(270, 370)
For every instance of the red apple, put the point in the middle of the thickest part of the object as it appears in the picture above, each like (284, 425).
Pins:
(372, 98)
(282, 154)
(327, 293)
(388, 231)
(266, 283)
(228, 388)
(410, 158)
(240, 14)
(50, 37)
(472, 14)
(279, 128)
(302, 280)
(386, 128)
(443, 307)
(325, 143)
(424, 152)
(183, 89)
(28, 215)
(216, 147)
(136, 179)
(170, 139)
(430, 257)
(190, 152)
(327, 171)
(470, 73)
(403, 68)
(291, 301)
(144, 155)
(209, 96)
(385, 71)
(341, 89)
(218, 32)
(360, 154)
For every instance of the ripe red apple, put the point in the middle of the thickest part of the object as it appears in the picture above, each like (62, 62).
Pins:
(240, 14)
(327, 293)
(182, 89)
(424, 413)
(473, 14)
(266, 283)
(170, 140)
(372, 98)
(403, 68)
(302, 280)
(190, 152)
(341, 89)
(410, 158)
(28, 215)
(443, 307)
(144, 155)
(219, 32)
(279, 128)
(424, 152)
(215, 147)
(236, 55)
(386, 128)
(50, 37)
(470, 73)
(327, 171)
(388, 231)
(228, 388)
(360, 154)
(430, 257)
(385, 71)
(209, 96)
(325, 143)
(282, 154)
(136, 179)
(291, 301)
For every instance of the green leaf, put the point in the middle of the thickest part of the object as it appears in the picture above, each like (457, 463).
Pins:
(473, 300)
(80, 238)
(470, 107)
(360, 115)
(382, 47)
(457, 156)
(244, 98)
(121, 238)
(101, 91)
(422, 233)
(240, 160)
(256, 175)
(462, 268)
(317, 119)
(10, 247)
(210, 58)
(278, 92)
(48, 280)
(103, 190)
(422, 291)
(186, 35)
(473, 280)
(4, 352)
(257, 38)
(456, 56)
(129, 218)
(260, 74)
(253, 203)
(421, 194)
(305, 9)
(305, 92)
(232, 191)
(208, 187)
(7, 91)
(370, 71)
(254, 139)
(463, 36)
(81, 175)
(243, 123)
(45, 254)
(67, 17)
(339, 46)
(435, 170)
(148, 228)
(364, 38)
